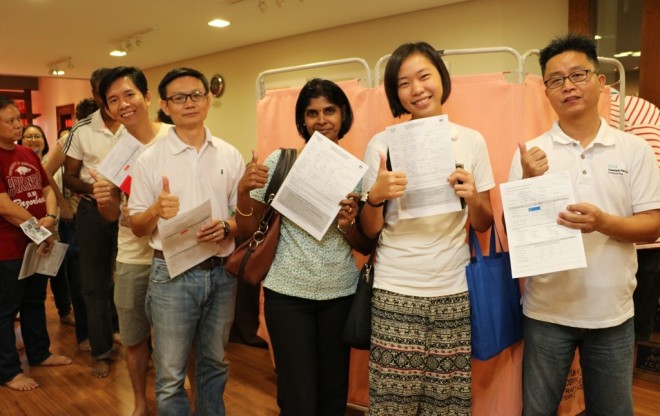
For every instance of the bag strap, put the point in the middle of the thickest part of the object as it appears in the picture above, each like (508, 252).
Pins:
(474, 245)
(284, 164)
(493, 247)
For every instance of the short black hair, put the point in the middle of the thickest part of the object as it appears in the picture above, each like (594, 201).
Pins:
(96, 77)
(316, 88)
(6, 102)
(85, 107)
(178, 73)
(43, 135)
(391, 78)
(570, 42)
(163, 118)
(130, 72)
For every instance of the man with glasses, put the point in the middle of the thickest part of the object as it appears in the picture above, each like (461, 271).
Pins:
(617, 186)
(194, 308)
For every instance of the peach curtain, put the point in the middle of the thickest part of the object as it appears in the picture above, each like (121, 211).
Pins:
(505, 114)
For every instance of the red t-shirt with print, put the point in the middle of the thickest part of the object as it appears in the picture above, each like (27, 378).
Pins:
(23, 179)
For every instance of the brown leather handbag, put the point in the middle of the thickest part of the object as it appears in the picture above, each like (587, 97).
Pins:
(252, 259)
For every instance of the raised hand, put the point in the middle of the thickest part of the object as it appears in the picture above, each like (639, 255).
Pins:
(255, 176)
(534, 162)
(101, 189)
(388, 185)
(167, 204)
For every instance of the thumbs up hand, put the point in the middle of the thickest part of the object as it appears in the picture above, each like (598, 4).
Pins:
(255, 176)
(167, 204)
(388, 185)
(534, 161)
(101, 189)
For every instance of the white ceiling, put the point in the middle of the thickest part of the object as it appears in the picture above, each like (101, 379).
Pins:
(39, 32)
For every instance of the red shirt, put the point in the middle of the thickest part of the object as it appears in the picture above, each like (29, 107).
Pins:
(23, 179)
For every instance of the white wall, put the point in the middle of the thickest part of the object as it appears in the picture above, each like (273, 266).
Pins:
(54, 92)
(520, 24)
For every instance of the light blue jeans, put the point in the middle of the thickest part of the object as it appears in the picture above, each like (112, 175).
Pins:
(606, 359)
(195, 308)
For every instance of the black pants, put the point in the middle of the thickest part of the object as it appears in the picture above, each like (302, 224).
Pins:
(647, 292)
(310, 358)
(97, 243)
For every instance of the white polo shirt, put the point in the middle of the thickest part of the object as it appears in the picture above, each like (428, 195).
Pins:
(617, 172)
(212, 173)
(90, 141)
(427, 256)
(130, 248)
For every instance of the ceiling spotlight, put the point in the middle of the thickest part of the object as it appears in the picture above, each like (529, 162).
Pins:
(55, 71)
(219, 23)
(125, 44)
(118, 52)
(54, 67)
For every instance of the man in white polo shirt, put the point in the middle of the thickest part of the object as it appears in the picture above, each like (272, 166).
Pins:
(196, 307)
(617, 189)
(86, 146)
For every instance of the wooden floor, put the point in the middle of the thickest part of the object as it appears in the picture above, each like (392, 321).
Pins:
(73, 391)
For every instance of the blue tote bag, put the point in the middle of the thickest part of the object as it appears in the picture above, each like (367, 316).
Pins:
(496, 315)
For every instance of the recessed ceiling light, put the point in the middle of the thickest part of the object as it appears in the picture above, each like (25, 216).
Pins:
(623, 54)
(219, 23)
(117, 52)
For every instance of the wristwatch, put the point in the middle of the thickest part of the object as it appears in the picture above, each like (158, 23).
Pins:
(374, 205)
(57, 220)
(227, 229)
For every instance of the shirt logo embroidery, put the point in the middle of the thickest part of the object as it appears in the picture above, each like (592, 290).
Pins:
(615, 170)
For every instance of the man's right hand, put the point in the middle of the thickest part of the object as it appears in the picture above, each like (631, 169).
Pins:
(534, 162)
(101, 189)
(167, 204)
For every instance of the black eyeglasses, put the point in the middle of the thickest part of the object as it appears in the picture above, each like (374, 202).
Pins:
(31, 137)
(182, 98)
(576, 77)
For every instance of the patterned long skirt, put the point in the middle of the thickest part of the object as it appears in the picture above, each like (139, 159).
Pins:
(420, 355)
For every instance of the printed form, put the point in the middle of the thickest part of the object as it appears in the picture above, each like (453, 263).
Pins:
(35, 261)
(322, 176)
(118, 164)
(537, 244)
(181, 249)
(423, 150)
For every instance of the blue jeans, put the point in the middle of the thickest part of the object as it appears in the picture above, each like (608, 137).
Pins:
(195, 308)
(26, 296)
(606, 359)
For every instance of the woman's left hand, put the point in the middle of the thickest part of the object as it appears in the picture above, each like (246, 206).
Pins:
(348, 212)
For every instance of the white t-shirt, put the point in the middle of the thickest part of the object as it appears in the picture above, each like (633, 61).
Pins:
(617, 172)
(132, 249)
(427, 256)
(195, 177)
